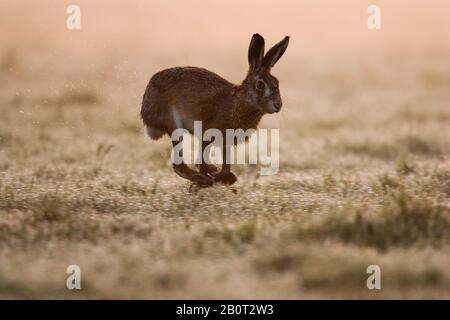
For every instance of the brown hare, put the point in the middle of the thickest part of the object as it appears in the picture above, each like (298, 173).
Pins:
(176, 97)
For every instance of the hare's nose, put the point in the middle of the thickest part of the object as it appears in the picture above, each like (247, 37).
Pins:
(278, 105)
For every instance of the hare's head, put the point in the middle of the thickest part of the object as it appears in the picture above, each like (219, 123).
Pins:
(260, 87)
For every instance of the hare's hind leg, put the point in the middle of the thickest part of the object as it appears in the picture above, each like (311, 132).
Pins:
(225, 176)
(207, 168)
(184, 171)
(181, 169)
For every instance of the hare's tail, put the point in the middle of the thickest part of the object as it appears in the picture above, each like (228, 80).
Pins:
(153, 133)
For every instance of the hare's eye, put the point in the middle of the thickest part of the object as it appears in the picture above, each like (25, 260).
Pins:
(260, 85)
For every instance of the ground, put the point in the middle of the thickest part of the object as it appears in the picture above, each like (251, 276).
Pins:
(364, 180)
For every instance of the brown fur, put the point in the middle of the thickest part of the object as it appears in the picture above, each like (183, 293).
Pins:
(176, 97)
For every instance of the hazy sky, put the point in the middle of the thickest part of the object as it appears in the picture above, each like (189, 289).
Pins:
(193, 25)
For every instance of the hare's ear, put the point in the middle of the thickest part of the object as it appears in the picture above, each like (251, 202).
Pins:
(275, 53)
(256, 52)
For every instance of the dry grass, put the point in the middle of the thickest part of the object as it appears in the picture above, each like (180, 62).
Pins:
(364, 179)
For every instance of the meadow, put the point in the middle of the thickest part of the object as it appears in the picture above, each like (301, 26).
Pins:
(364, 179)
(364, 162)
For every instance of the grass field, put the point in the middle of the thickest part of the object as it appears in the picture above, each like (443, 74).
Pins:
(364, 180)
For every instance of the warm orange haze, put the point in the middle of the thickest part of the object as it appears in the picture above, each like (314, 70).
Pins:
(364, 173)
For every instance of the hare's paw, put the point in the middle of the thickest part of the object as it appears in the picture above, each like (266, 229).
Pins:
(225, 177)
(202, 180)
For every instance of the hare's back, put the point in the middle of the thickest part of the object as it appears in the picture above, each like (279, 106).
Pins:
(189, 80)
(177, 97)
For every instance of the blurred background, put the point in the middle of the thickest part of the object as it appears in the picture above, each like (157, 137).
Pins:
(364, 153)
(198, 27)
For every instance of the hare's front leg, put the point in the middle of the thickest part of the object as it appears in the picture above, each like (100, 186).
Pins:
(225, 176)
(204, 167)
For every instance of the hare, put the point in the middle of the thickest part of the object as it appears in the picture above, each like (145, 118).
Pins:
(176, 97)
